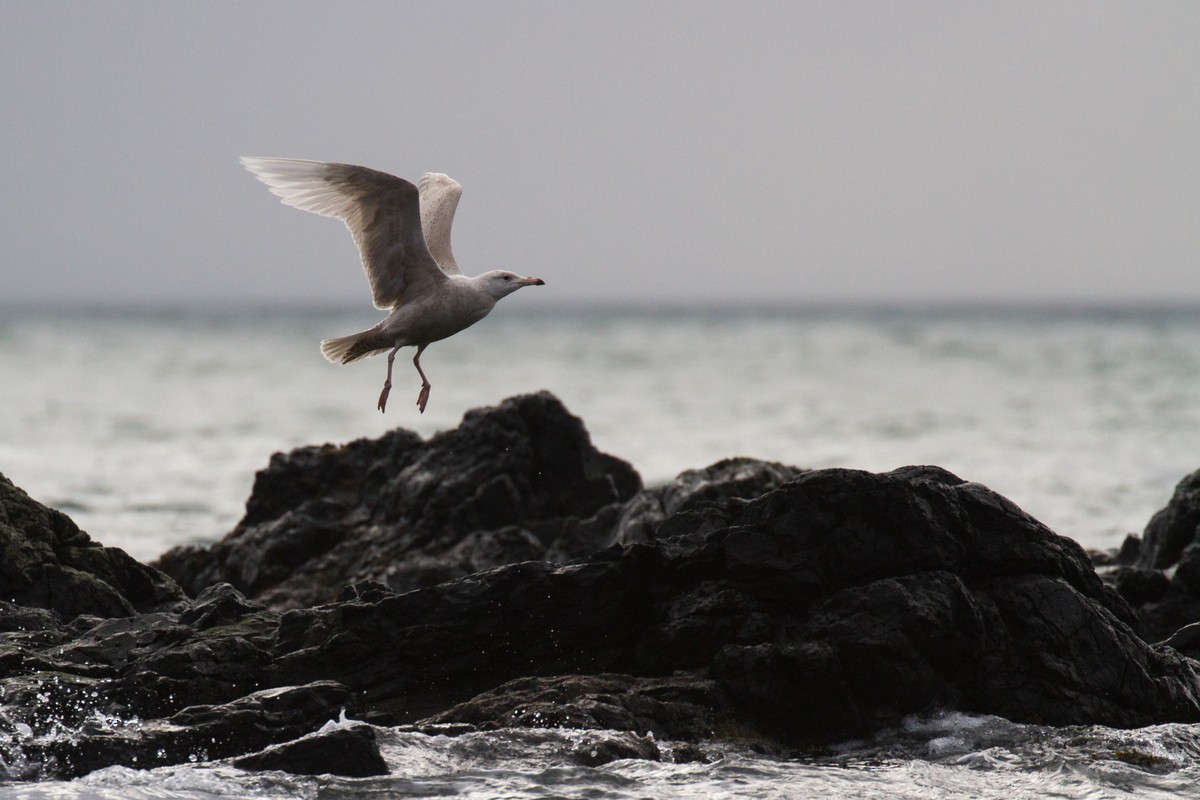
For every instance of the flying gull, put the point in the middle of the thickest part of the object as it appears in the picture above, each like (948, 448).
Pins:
(403, 235)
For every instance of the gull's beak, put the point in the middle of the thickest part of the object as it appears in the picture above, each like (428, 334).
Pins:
(534, 282)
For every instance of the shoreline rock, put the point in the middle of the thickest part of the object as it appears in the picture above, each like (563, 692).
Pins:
(507, 574)
(520, 481)
(1159, 572)
(47, 562)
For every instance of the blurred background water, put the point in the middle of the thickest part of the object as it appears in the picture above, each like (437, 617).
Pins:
(147, 426)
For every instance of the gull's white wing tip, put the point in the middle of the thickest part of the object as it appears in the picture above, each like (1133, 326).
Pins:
(283, 168)
(257, 164)
(302, 184)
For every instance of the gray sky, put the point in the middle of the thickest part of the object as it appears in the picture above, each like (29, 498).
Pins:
(671, 152)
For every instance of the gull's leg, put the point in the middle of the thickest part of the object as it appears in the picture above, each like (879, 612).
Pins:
(387, 384)
(423, 397)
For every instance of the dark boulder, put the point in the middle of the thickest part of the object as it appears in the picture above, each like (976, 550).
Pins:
(518, 481)
(196, 733)
(1161, 617)
(1186, 640)
(678, 707)
(615, 747)
(1139, 585)
(837, 603)
(351, 752)
(1159, 574)
(914, 590)
(1187, 570)
(1174, 527)
(47, 562)
(150, 690)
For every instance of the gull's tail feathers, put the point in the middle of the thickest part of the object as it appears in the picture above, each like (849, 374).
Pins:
(345, 349)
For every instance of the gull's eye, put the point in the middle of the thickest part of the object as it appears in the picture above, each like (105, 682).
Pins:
(508, 277)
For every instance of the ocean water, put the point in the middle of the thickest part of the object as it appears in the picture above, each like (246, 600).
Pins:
(948, 756)
(147, 427)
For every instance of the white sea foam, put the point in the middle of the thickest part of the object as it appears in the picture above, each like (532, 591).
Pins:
(1004, 761)
(147, 427)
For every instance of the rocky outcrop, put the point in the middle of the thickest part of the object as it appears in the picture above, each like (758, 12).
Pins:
(517, 482)
(47, 562)
(351, 752)
(1159, 573)
(1174, 528)
(745, 601)
(823, 609)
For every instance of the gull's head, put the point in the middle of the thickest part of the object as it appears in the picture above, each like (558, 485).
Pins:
(499, 283)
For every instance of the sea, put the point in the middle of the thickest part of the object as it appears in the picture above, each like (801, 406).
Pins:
(146, 426)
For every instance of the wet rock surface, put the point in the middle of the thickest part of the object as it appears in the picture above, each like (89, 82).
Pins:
(506, 575)
(351, 752)
(675, 707)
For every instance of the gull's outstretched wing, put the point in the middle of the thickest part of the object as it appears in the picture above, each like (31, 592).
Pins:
(381, 211)
(439, 199)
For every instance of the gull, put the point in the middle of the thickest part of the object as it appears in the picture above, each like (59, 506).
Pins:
(403, 236)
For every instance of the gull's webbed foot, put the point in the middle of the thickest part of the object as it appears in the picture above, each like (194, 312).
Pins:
(423, 397)
(383, 396)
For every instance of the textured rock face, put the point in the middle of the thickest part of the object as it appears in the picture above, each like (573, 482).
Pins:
(674, 707)
(696, 490)
(352, 752)
(47, 562)
(1174, 527)
(828, 607)
(518, 481)
(1160, 573)
(747, 598)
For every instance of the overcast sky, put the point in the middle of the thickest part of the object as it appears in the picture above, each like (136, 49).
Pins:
(669, 152)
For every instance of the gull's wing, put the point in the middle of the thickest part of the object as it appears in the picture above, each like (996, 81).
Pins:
(381, 211)
(439, 199)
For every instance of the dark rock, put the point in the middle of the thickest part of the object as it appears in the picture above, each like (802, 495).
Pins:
(919, 594)
(1124, 556)
(695, 490)
(690, 753)
(1162, 617)
(1187, 572)
(1138, 585)
(1130, 551)
(516, 482)
(1186, 640)
(350, 752)
(365, 592)
(14, 618)
(196, 733)
(615, 747)
(831, 604)
(66, 677)
(220, 604)
(678, 707)
(1174, 527)
(47, 562)
(1168, 604)
(1161, 578)
(837, 603)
